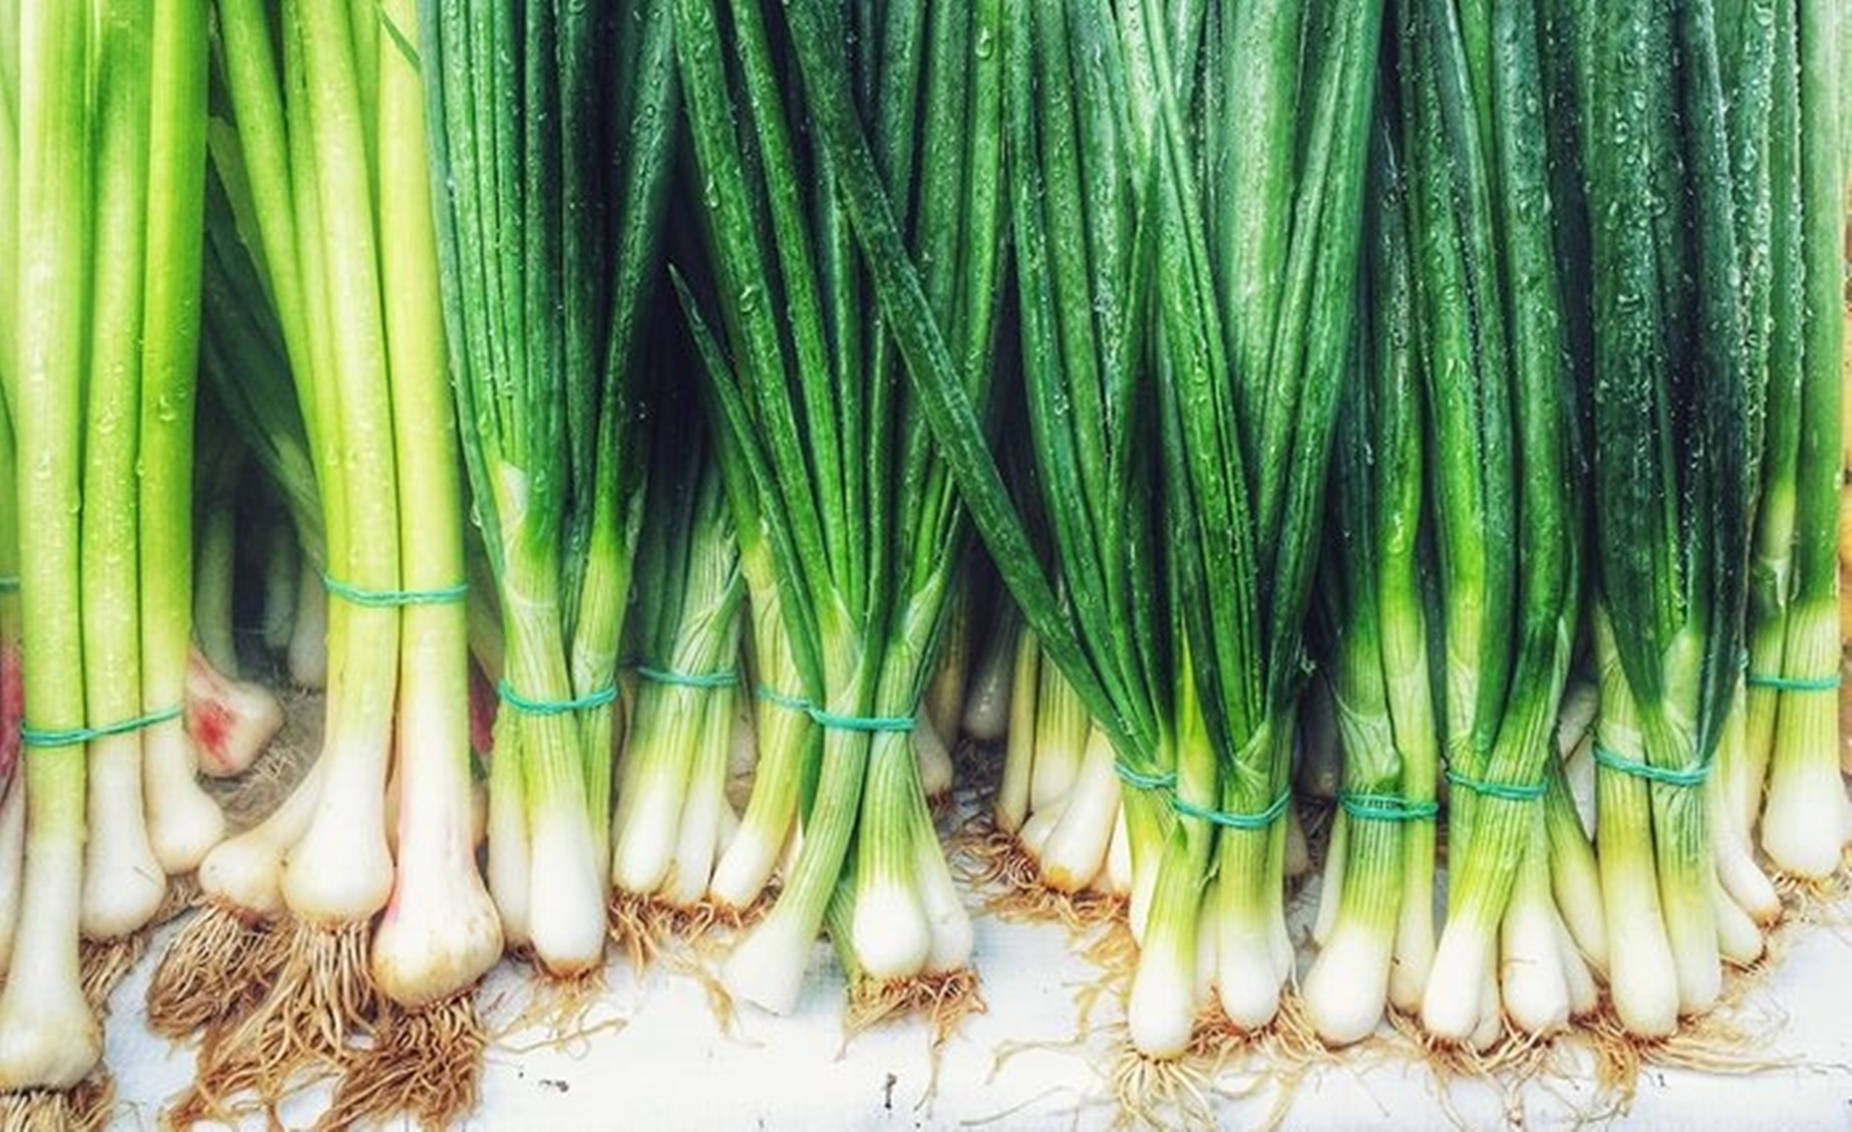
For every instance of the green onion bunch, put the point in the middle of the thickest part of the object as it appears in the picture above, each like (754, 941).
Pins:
(830, 457)
(551, 193)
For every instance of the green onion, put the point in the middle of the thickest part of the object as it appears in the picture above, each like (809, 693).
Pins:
(1673, 494)
(1492, 330)
(672, 792)
(864, 523)
(1802, 826)
(218, 470)
(543, 343)
(1380, 870)
(1245, 447)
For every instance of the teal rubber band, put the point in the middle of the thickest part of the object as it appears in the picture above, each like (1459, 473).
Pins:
(892, 723)
(9, 584)
(1227, 820)
(1793, 683)
(516, 700)
(726, 678)
(1132, 776)
(1505, 790)
(1690, 776)
(1386, 807)
(821, 718)
(392, 599)
(70, 737)
(782, 699)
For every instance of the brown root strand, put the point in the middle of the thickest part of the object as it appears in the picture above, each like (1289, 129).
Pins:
(103, 964)
(994, 862)
(945, 998)
(182, 894)
(1223, 1063)
(297, 1035)
(559, 1005)
(424, 1063)
(86, 1108)
(217, 968)
(649, 928)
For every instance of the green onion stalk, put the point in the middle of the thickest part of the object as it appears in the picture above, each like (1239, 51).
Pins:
(864, 522)
(123, 882)
(672, 812)
(50, 1037)
(12, 694)
(1758, 52)
(341, 230)
(1492, 329)
(785, 742)
(110, 113)
(1063, 798)
(1674, 490)
(1257, 341)
(218, 468)
(1802, 821)
(551, 191)
(1090, 735)
(1376, 924)
(226, 956)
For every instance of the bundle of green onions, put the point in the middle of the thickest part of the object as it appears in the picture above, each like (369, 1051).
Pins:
(1258, 339)
(530, 152)
(340, 227)
(1375, 926)
(1491, 333)
(1793, 665)
(860, 514)
(1751, 173)
(1091, 702)
(673, 818)
(104, 107)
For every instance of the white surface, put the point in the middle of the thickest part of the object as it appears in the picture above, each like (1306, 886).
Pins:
(670, 1066)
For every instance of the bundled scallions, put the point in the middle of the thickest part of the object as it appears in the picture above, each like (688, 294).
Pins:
(1376, 916)
(673, 818)
(1491, 330)
(543, 345)
(863, 523)
(105, 131)
(1674, 404)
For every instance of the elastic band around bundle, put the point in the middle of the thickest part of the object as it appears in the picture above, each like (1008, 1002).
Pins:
(589, 700)
(9, 584)
(869, 723)
(71, 736)
(1793, 683)
(1690, 776)
(725, 678)
(1261, 820)
(392, 599)
(1507, 791)
(1386, 807)
(1132, 776)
